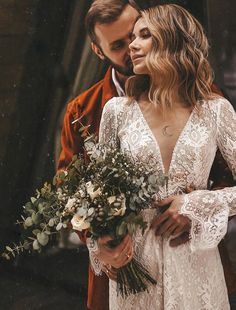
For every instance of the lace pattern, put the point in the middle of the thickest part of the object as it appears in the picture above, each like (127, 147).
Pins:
(191, 275)
(93, 251)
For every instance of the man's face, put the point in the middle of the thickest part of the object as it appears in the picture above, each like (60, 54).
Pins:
(114, 39)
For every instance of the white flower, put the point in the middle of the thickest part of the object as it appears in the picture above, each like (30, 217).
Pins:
(120, 211)
(90, 190)
(79, 223)
(111, 199)
(82, 193)
(60, 195)
(70, 204)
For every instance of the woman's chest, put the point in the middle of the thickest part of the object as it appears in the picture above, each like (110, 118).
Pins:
(168, 145)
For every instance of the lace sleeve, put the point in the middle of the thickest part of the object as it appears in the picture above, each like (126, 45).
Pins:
(107, 135)
(209, 210)
(108, 125)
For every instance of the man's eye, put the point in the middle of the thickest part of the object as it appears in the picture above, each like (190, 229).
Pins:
(117, 46)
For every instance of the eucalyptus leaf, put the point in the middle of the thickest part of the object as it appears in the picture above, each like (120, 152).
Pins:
(36, 245)
(59, 226)
(51, 222)
(42, 238)
(33, 199)
(36, 231)
(91, 211)
(35, 218)
(28, 222)
(26, 245)
(121, 229)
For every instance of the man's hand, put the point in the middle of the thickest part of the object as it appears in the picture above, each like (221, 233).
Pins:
(170, 222)
(116, 257)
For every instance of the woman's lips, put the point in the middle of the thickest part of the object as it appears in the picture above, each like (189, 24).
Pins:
(136, 57)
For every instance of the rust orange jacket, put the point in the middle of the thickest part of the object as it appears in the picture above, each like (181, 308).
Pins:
(88, 107)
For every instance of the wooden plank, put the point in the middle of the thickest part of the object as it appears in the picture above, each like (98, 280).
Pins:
(7, 3)
(10, 77)
(15, 21)
(8, 101)
(17, 3)
(9, 54)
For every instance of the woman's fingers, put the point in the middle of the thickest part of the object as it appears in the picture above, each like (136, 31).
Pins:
(110, 272)
(183, 238)
(158, 220)
(163, 202)
(126, 253)
(170, 231)
(117, 256)
(161, 229)
(104, 240)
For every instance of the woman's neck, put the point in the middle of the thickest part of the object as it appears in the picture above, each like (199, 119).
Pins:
(176, 100)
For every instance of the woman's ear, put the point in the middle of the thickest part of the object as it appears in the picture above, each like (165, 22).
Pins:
(97, 50)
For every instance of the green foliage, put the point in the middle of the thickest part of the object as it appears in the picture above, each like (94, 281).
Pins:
(103, 196)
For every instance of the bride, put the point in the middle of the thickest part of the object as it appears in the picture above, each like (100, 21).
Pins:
(171, 121)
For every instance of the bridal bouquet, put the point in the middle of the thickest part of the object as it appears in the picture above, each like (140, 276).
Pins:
(104, 196)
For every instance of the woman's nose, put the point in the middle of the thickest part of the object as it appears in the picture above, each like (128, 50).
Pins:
(133, 45)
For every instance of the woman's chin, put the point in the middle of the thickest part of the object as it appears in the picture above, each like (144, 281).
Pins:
(140, 70)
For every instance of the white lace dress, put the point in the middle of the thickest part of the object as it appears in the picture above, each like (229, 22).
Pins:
(190, 277)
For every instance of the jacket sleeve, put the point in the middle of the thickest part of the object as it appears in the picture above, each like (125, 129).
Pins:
(71, 141)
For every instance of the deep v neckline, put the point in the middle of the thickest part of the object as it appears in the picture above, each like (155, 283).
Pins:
(159, 154)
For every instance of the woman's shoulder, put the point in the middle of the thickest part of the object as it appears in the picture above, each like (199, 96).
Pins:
(218, 101)
(218, 104)
(116, 105)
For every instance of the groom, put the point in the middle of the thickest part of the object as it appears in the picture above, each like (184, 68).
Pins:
(109, 24)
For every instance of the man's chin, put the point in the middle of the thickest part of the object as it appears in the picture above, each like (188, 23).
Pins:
(124, 71)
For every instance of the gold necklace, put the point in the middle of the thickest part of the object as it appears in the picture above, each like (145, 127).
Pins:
(167, 131)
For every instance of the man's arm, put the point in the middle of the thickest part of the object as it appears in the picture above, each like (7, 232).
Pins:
(71, 140)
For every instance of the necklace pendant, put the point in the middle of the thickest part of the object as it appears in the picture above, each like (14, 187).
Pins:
(166, 131)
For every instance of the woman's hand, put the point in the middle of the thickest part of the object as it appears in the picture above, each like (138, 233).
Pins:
(110, 271)
(116, 257)
(170, 222)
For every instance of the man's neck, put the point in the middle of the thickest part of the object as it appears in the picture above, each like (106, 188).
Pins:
(121, 79)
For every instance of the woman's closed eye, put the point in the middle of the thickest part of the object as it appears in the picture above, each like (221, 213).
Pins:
(145, 33)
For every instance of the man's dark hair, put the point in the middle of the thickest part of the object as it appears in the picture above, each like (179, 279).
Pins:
(103, 12)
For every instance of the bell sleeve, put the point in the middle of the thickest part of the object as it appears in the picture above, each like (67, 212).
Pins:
(209, 210)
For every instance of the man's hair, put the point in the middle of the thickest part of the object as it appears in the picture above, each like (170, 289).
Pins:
(103, 12)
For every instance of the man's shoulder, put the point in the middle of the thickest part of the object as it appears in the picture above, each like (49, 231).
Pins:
(93, 95)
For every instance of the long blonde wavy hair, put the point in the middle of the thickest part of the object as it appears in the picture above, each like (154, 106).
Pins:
(178, 58)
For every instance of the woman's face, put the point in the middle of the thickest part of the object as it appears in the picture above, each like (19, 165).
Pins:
(140, 46)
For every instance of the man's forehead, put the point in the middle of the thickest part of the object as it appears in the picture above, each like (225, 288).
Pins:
(119, 29)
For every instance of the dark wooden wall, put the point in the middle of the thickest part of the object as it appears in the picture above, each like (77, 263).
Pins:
(41, 43)
(32, 39)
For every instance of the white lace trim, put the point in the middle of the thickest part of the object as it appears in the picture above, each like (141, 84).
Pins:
(92, 246)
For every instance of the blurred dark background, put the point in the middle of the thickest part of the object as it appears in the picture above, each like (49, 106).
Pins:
(45, 60)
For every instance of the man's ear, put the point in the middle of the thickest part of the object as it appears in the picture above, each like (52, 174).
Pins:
(97, 50)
